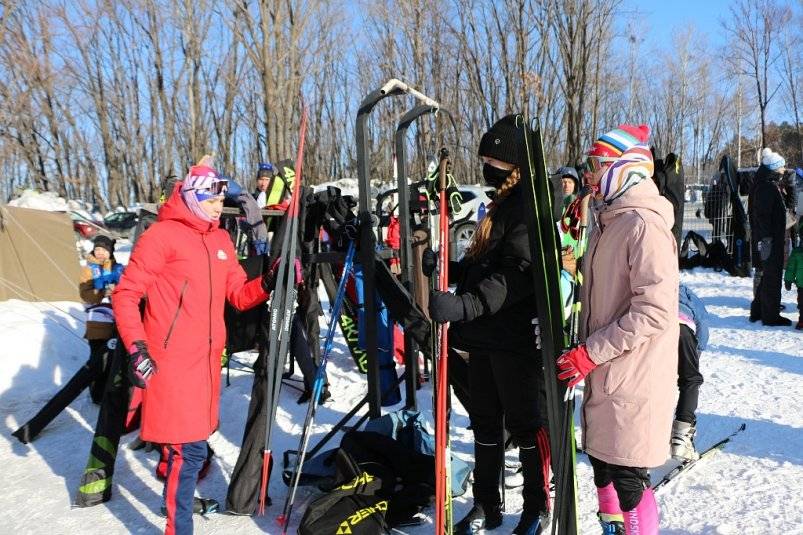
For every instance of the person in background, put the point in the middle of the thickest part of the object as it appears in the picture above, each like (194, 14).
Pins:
(794, 275)
(693, 339)
(98, 279)
(265, 174)
(570, 184)
(629, 329)
(767, 214)
(186, 267)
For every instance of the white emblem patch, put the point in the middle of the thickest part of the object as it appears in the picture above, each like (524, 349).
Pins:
(221, 255)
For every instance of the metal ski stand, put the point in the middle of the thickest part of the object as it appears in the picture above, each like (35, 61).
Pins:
(281, 313)
(406, 252)
(317, 389)
(368, 236)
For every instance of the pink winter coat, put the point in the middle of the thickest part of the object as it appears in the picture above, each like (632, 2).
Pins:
(631, 330)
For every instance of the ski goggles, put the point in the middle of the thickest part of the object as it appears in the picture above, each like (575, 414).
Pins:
(210, 188)
(595, 163)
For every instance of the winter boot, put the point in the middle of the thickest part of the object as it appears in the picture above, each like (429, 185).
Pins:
(610, 514)
(532, 524)
(643, 519)
(200, 506)
(779, 321)
(480, 518)
(682, 441)
(612, 524)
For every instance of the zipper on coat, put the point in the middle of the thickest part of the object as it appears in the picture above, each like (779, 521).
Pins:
(209, 358)
(175, 316)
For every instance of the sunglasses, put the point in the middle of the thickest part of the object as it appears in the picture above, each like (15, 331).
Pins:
(595, 163)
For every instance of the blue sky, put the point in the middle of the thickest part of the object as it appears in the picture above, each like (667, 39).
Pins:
(665, 17)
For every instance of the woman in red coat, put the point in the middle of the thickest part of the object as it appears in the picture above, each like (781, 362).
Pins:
(186, 268)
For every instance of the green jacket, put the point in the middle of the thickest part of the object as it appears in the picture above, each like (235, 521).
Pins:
(794, 267)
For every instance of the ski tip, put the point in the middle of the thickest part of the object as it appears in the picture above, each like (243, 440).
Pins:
(281, 520)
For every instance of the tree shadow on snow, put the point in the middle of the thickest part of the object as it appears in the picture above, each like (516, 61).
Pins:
(760, 439)
(782, 361)
(64, 444)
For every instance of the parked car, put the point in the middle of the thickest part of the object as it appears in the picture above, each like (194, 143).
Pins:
(121, 224)
(85, 228)
(475, 201)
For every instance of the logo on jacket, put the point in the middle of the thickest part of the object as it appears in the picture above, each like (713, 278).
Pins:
(221, 254)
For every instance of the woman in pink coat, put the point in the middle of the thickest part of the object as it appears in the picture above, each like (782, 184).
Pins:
(630, 331)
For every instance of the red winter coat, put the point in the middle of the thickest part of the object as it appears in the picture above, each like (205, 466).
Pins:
(186, 268)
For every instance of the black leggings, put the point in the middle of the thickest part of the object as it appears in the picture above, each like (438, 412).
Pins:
(689, 376)
(629, 482)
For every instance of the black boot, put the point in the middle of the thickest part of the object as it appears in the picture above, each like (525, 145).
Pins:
(200, 506)
(779, 321)
(534, 490)
(532, 524)
(480, 518)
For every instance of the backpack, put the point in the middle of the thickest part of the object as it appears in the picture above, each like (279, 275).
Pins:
(353, 507)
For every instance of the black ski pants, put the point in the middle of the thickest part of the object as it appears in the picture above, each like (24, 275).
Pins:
(507, 391)
(766, 303)
(689, 376)
(800, 303)
(629, 482)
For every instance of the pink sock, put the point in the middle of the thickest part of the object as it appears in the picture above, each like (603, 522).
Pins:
(608, 500)
(643, 519)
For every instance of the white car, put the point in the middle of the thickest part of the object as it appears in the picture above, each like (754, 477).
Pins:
(476, 200)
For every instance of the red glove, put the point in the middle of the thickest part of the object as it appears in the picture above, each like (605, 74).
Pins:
(574, 365)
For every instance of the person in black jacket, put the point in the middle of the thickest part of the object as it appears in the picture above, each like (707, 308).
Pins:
(767, 226)
(490, 319)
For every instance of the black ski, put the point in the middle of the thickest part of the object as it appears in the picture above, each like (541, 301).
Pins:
(685, 466)
(546, 267)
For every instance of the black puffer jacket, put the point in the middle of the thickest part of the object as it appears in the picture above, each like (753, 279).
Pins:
(767, 212)
(500, 286)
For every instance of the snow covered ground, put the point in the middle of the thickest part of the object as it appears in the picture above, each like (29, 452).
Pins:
(752, 375)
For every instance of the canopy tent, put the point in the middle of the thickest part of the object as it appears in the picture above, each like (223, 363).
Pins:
(38, 256)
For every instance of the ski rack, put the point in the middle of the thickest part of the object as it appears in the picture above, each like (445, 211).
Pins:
(368, 237)
(405, 250)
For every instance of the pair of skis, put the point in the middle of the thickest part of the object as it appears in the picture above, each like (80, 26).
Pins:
(282, 303)
(546, 266)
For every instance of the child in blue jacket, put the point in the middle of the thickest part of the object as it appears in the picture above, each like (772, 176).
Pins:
(693, 319)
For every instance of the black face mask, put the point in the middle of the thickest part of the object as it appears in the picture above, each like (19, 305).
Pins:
(494, 176)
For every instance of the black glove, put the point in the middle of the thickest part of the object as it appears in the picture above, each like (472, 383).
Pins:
(764, 249)
(429, 262)
(445, 307)
(140, 364)
(269, 277)
(788, 285)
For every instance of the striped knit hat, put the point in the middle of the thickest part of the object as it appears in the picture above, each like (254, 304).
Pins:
(614, 143)
(633, 166)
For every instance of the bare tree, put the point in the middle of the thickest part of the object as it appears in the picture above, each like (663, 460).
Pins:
(753, 30)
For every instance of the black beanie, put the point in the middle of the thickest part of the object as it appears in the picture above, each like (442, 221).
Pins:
(501, 141)
(105, 242)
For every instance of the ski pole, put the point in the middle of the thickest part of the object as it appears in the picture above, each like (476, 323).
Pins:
(281, 312)
(320, 376)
